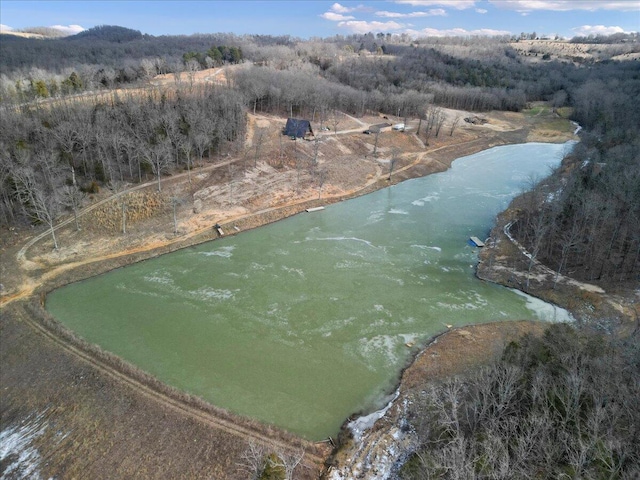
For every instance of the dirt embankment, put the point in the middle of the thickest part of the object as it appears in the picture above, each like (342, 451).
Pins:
(89, 415)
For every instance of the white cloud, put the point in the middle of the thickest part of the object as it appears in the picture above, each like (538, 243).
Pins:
(66, 29)
(430, 13)
(69, 29)
(457, 32)
(360, 26)
(457, 4)
(336, 17)
(481, 10)
(336, 7)
(566, 5)
(586, 30)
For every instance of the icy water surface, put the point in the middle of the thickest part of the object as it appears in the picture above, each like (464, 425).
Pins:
(304, 322)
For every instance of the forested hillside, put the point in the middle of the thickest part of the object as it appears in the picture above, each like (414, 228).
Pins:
(50, 156)
(585, 219)
(588, 226)
(564, 405)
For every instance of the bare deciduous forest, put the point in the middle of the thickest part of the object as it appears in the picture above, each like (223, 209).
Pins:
(566, 404)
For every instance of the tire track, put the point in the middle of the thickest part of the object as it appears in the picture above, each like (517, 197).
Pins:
(166, 400)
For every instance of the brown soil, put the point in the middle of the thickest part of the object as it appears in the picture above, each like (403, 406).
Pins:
(103, 421)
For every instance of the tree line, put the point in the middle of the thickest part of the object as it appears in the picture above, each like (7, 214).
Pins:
(563, 405)
(584, 220)
(48, 155)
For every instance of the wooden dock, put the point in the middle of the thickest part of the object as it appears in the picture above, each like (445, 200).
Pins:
(476, 241)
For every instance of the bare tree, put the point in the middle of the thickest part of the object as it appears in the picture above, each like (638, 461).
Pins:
(148, 68)
(439, 119)
(73, 197)
(454, 125)
(158, 157)
(123, 209)
(289, 461)
(336, 118)
(395, 156)
(321, 175)
(316, 149)
(375, 143)
(40, 203)
(568, 240)
(192, 67)
(258, 140)
(252, 461)
(175, 201)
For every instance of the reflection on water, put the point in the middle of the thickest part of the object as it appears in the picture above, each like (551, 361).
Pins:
(303, 322)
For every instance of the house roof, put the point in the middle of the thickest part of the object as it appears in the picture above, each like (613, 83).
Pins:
(297, 128)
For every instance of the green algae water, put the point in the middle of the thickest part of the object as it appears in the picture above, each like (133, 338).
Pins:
(303, 322)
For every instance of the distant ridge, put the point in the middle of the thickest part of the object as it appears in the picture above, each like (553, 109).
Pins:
(108, 33)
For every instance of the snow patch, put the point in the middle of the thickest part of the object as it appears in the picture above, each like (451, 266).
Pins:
(361, 424)
(546, 311)
(19, 458)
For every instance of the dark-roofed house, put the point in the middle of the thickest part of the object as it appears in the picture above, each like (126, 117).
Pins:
(297, 128)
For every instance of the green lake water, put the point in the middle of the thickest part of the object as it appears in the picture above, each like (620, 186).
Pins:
(303, 322)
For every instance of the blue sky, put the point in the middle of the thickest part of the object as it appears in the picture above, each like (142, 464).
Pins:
(308, 18)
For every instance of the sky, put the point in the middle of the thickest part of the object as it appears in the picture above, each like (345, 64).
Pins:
(314, 18)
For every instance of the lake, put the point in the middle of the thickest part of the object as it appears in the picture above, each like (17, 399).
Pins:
(305, 321)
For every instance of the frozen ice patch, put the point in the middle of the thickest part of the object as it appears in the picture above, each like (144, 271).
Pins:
(362, 424)
(224, 252)
(351, 239)
(408, 338)
(380, 349)
(260, 267)
(397, 211)
(295, 271)
(427, 247)
(162, 278)
(328, 328)
(208, 293)
(375, 217)
(546, 311)
(429, 198)
(348, 265)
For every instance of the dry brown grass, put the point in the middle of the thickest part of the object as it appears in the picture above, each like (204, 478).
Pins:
(139, 206)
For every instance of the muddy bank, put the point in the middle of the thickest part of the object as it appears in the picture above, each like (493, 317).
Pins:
(506, 262)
